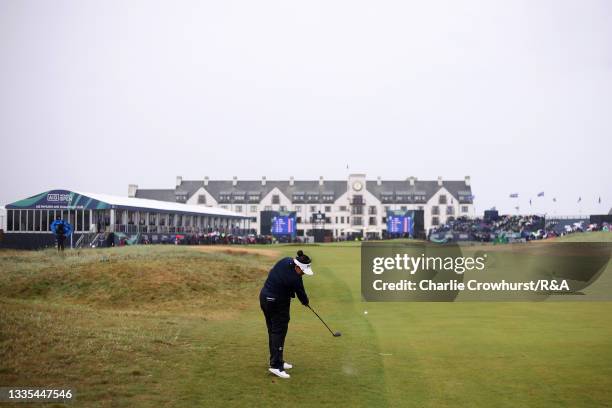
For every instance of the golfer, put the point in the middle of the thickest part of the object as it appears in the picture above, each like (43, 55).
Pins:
(284, 282)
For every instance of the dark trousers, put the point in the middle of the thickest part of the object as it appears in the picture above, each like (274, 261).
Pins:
(60, 242)
(277, 320)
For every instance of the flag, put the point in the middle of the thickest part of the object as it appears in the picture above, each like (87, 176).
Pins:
(554, 199)
(530, 201)
(599, 201)
(541, 194)
(516, 208)
(514, 195)
(579, 199)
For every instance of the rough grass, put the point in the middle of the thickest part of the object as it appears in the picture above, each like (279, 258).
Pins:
(117, 324)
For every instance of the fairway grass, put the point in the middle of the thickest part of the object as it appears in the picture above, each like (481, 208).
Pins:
(172, 326)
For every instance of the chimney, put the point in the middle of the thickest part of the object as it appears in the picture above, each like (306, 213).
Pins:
(467, 181)
(206, 181)
(263, 181)
(440, 180)
(291, 181)
(235, 181)
(378, 181)
(179, 180)
(132, 190)
(412, 180)
(321, 180)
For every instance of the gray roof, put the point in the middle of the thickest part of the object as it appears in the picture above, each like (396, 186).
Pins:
(157, 194)
(426, 187)
(306, 187)
(216, 187)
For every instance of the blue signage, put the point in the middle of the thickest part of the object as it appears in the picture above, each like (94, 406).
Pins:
(400, 222)
(284, 224)
(59, 200)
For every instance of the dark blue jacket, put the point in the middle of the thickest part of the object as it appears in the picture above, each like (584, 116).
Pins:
(283, 283)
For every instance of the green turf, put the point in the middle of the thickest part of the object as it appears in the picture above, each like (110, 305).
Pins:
(163, 353)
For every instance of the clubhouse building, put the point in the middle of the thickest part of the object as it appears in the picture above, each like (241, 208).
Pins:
(343, 208)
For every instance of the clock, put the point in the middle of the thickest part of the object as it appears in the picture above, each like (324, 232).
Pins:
(357, 186)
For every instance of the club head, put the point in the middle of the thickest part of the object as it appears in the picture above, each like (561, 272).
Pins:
(337, 334)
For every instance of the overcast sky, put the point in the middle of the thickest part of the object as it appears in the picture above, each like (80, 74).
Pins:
(95, 95)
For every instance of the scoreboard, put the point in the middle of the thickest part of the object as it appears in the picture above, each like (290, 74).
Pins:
(283, 224)
(400, 222)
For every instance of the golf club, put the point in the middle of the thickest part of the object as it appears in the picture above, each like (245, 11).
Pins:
(335, 334)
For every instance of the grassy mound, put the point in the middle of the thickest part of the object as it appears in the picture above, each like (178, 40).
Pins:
(131, 276)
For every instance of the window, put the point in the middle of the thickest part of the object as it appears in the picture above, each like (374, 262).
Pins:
(435, 210)
(79, 220)
(358, 199)
(420, 207)
(342, 208)
(297, 208)
(442, 199)
(201, 199)
(357, 210)
(45, 220)
(372, 210)
(313, 208)
(435, 221)
(464, 208)
(328, 208)
(298, 219)
(328, 198)
(403, 208)
(327, 220)
(9, 220)
(275, 199)
(238, 208)
(297, 197)
(30, 220)
(336, 220)
(37, 220)
(387, 208)
(253, 208)
(283, 208)
(341, 220)
(356, 221)
(268, 208)
(450, 210)
(372, 221)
